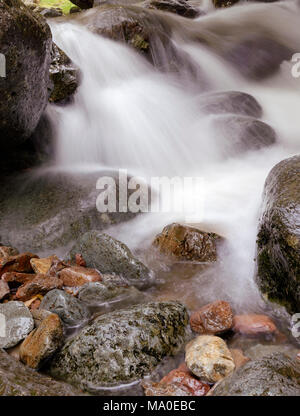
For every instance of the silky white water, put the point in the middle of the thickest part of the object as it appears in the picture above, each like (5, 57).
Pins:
(127, 114)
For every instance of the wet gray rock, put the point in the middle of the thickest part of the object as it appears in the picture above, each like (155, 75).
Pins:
(256, 352)
(237, 134)
(109, 255)
(123, 346)
(258, 57)
(273, 375)
(234, 102)
(25, 41)
(107, 296)
(70, 310)
(278, 240)
(18, 380)
(64, 75)
(54, 209)
(16, 323)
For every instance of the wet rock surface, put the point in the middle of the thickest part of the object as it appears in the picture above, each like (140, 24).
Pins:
(213, 318)
(106, 296)
(122, 346)
(237, 134)
(180, 7)
(19, 380)
(78, 276)
(64, 75)
(253, 324)
(109, 255)
(42, 343)
(184, 243)
(25, 41)
(233, 102)
(257, 57)
(273, 375)
(278, 239)
(209, 358)
(17, 322)
(53, 208)
(70, 310)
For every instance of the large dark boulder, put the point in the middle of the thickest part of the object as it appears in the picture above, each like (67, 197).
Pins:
(25, 40)
(273, 375)
(18, 380)
(46, 210)
(123, 346)
(278, 240)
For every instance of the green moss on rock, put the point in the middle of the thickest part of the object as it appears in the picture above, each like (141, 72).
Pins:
(278, 240)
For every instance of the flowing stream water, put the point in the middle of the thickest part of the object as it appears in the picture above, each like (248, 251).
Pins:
(128, 114)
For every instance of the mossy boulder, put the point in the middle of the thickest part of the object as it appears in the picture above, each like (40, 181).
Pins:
(109, 255)
(65, 76)
(18, 380)
(44, 210)
(278, 240)
(273, 375)
(224, 3)
(25, 41)
(122, 347)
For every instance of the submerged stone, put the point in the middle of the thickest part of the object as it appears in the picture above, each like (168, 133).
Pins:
(123, 346)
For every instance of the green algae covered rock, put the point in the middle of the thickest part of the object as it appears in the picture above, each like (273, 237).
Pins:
(18, 380)
(123, 346)
(109, 255)
(273, 375)
(278, 241)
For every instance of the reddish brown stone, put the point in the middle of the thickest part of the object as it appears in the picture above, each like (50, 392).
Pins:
(42, 266)
(238, 357)
(182, 242)
(80, 260)
(35, 304)
(40, 285)
(6, 251)
(78, 276)
(42, 342)
(162, 389)
(19, 263)
(14, 277)
(187, 381)
(253, 324)
(214, 318)
(4, 289)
